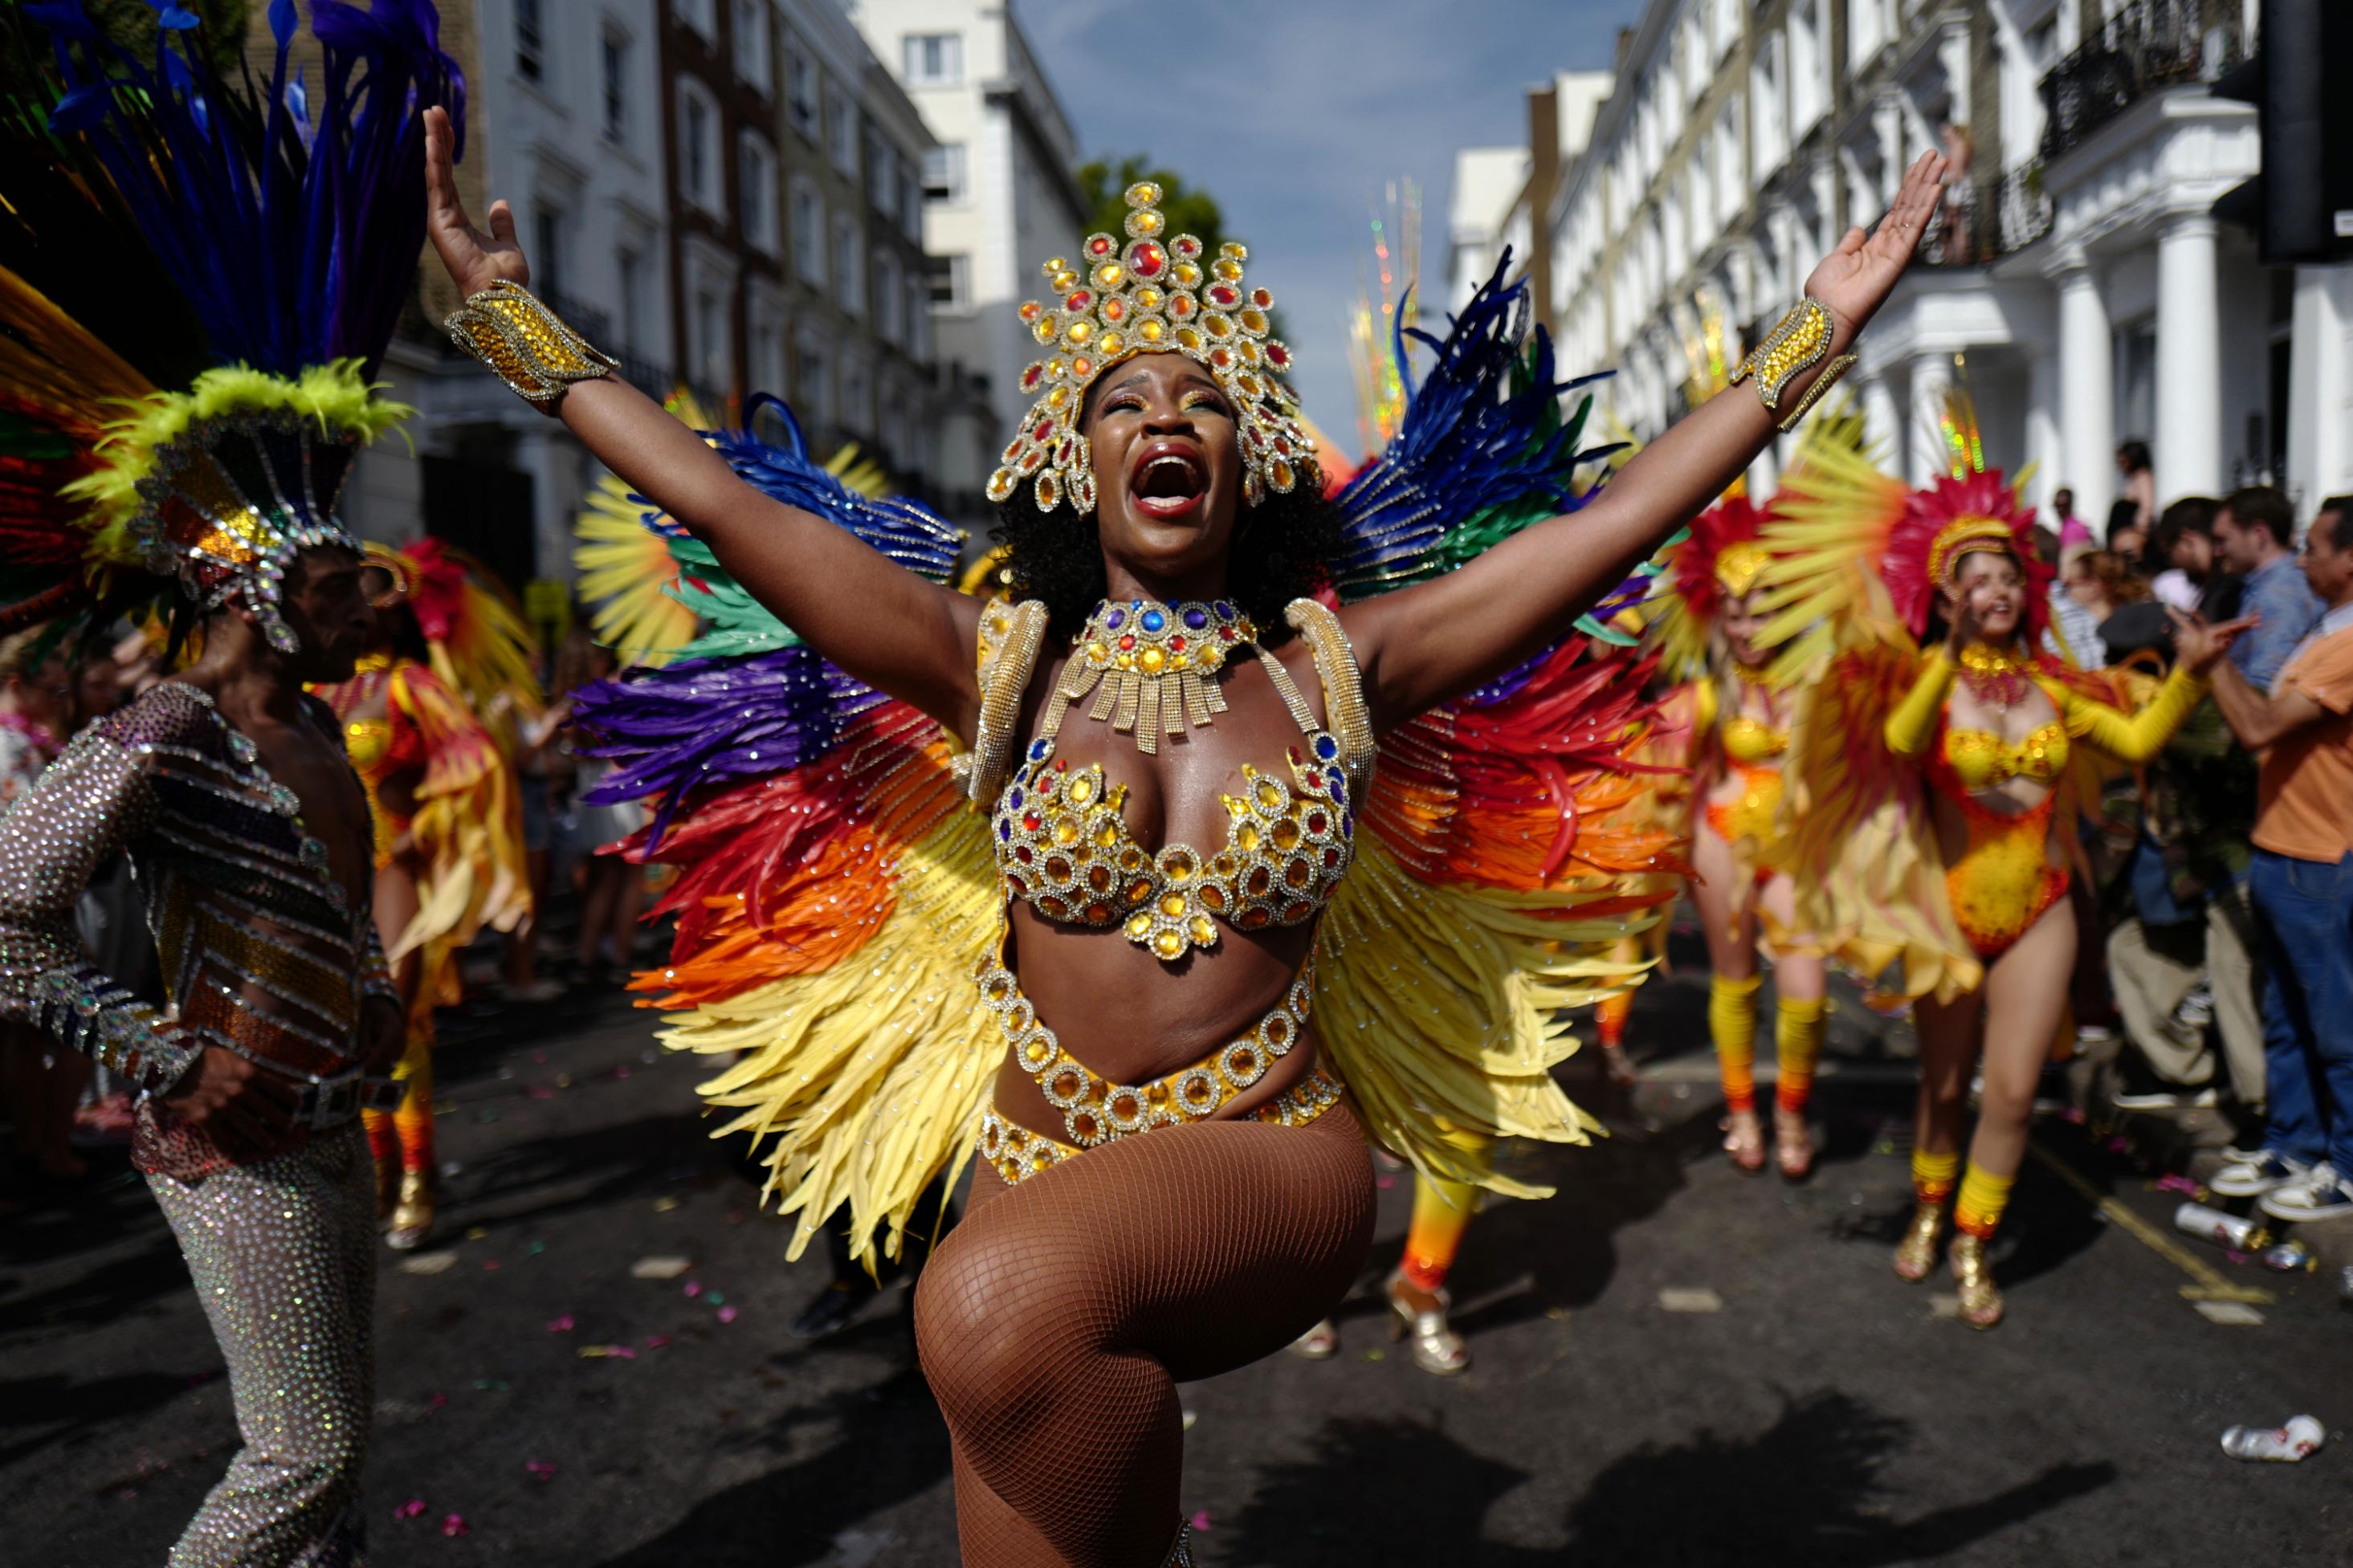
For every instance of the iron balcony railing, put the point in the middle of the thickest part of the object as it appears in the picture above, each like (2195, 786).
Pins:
(2146, 46)
(1981, 222)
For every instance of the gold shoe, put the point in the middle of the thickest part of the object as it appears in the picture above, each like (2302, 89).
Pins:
(412, 1217)
(1980, 1302)
(1744, 1144)
(1793, 1145)
(1318, 1343)
(1917, 1253)
(1436, 1348)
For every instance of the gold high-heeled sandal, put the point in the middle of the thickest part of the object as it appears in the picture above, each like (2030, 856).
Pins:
(412, 1217)
(1981, 1305)
(1434, 1345)
(1747, 1153)
(1318, 1343)
(1917, 1253)
(1793, 1153)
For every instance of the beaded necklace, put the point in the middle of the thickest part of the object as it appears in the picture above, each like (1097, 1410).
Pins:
(1150, 665)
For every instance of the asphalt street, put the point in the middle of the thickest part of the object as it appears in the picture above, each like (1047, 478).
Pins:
(1676, 1364)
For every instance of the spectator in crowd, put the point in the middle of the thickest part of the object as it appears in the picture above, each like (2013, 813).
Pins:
(2184, 542)
(2126, 534)
(2140, 488)
(2301, 878)
(36, 718)
(2073, 530)
(2102, 583)
(612, 890)
(2252, 534)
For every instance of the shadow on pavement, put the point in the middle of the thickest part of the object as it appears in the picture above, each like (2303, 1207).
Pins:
(1807, 1489)
(890, 1445)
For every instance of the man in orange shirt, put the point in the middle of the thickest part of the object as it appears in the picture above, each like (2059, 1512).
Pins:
(2300, 880)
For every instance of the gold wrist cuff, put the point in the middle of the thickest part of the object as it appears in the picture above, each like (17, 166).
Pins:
(526, 343)
(1799, 342)
(1823, 383)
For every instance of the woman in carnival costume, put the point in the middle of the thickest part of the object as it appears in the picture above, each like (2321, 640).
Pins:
(1182, 1187)
(197, 279)
(1935, 602)
(449, 825)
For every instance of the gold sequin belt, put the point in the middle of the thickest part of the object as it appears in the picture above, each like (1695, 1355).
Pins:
(1015, 1152)
(1096, 1112)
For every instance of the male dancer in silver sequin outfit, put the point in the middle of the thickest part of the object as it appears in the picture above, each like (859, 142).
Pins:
(228, 788)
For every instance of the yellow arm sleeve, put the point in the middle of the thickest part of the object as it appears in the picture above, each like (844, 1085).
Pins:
(1914, 720)
(2135, 739)
(1703, 710)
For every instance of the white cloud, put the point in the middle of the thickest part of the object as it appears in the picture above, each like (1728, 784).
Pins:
(1296, 113)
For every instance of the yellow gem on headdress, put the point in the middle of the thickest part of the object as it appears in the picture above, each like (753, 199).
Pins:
(1189, 340)
(1149, 330)
(1234, 250)
(1111, 345)
(1110, 275)
(1031, 310)
(1254, 322)
(1144, 193)
(1146, 298)
(1152, 659)
(1044, 329)
(1056, 397)
(1227, 270)
(1079, 332)
(1062, 278)
(1185, 275)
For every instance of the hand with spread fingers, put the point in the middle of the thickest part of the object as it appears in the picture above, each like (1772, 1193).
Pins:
(475, 259)
(1855, 279)
(245, 1107)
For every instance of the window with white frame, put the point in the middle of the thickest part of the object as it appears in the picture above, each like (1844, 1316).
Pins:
(699, 173)
(549, 233)
(813, 388)
(882, 174)
(919, 320)
(800, 88)
(751, 40)
(530, 41)
(889, 325)
(950, 281)
(613, 84)
(943, 171)
(849, 265)
(910, 202)
(808, 232)
(700, 15)
(755, 191)
(709, 355)
(765, 352)
(841, 127)
(932, 59)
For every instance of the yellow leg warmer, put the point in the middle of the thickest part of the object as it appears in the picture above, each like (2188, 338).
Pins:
(1797, 1030)
(1983, 1198)
(1932, 1176)
(1441, 1214)
(1732, 1025)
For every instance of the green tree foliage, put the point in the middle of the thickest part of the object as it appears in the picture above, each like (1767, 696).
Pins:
(1103, 185)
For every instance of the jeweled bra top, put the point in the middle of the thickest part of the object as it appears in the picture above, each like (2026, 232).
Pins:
(1062, 840)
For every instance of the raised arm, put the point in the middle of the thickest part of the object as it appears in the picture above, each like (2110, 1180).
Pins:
(896, 631)
(1423, 644)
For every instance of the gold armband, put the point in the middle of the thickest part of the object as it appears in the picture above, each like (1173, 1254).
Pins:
(1823, 383)
(1800, 341)
(526, 343)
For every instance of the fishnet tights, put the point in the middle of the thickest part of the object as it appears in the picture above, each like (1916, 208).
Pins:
(1058, 1317)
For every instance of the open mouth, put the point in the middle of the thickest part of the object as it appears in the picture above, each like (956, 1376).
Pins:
(1169, 482)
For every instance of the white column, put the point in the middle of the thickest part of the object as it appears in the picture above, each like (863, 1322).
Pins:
(2187, 446)
(2087, 394)
(1932, 377)
(2319, 411)
(546, 451)
(2042, 429)
(1765, 474)
(1880, 423)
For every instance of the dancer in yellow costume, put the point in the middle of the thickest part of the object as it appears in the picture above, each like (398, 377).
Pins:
(1939, 602)
(449, 825)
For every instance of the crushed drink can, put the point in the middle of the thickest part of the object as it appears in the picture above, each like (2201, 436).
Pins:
(2289, 1257)
(2233, 1231)
(2303, 1435)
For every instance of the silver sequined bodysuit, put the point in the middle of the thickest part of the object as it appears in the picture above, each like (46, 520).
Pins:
(263, 949)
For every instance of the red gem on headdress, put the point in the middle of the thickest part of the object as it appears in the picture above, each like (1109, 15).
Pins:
(1176, 645)
(1030, 821)
(1033, 378)
(1045, 431)
(1127, 642)
(1283, 445)
(1278, 356)
(1263, 298)
(1223, 296)
(1079, 300)
(1147, 259)
(1099, 246)
(1227, 633)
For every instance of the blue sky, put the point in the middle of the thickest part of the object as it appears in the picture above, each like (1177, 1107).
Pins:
(1325, 102)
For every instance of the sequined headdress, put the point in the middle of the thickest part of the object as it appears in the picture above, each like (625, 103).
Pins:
(197, 281)
(1721, 558)
(1153, 295)
(1969, 508)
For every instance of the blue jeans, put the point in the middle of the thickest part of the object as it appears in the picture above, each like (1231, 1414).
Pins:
(2304, 931)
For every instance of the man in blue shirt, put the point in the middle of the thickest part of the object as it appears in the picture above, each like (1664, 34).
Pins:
(2253, 536)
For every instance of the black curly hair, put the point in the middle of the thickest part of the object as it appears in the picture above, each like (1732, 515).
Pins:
(1282, 549)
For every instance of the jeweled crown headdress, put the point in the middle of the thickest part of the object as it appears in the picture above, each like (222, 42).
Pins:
(1151, 295)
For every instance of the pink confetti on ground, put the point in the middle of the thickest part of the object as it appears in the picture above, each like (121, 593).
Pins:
(2074, 1113)
(2178, 1184)
(489, 1264)
(2117, 1145)
(453, 1524)
(622, 1070)
(413, 1508)
(540, 1091)
(539, 1056)
(656, 1342)
(438, 1399)
(1201, 1521)
(2236, 1256)
(562, 1325)
(540, 1469)
(694, 1287)
(727, 1314)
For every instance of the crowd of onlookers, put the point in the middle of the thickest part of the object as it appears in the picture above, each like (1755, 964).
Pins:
(2225, 867)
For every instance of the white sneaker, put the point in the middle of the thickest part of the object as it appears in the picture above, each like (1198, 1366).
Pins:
(2324, 1195)
(2170, 1100)
(2253, 1178)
